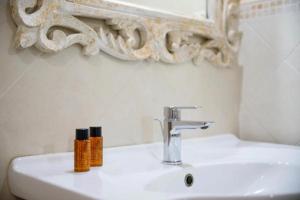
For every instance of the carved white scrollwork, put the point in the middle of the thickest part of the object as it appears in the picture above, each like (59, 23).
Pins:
(128, 32)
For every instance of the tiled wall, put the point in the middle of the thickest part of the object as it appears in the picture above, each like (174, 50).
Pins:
(44, 97)
(258, 8)
(270, 55)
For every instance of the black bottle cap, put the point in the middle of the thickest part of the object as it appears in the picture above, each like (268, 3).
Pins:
(82, 134)
(96, 131)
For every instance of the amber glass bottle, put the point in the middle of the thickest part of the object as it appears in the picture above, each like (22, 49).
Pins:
(96, 146)
(82, 151)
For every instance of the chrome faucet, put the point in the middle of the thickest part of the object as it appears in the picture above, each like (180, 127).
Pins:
(172, 125)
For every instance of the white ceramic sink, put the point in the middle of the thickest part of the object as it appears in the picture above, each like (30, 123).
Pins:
(223, 167)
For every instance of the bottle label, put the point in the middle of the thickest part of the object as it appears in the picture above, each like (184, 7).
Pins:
(96, 151)
(82, 152)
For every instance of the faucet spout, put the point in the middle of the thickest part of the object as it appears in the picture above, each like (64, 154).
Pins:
(181, 125)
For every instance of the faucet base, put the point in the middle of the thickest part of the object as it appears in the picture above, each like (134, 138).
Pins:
(166, 162)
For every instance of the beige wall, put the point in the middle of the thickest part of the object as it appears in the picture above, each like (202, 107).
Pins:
(44, 97)
(270, 101)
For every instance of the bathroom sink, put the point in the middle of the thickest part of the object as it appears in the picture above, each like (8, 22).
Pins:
(217, 167)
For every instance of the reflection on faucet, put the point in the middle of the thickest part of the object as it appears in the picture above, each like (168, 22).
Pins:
(171, 128)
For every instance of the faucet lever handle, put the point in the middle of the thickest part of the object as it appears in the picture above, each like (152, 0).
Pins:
(174, 112)
(184, 107)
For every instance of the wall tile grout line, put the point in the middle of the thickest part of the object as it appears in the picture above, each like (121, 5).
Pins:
(14, 83)
(292, 66)
(262, 39)
(258, 122)
(269, 45)
(286, 59)
(292, 51)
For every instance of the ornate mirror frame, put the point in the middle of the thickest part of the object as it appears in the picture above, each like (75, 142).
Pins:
(128, 32)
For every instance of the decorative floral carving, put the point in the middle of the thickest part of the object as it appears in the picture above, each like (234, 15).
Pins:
(127, 32)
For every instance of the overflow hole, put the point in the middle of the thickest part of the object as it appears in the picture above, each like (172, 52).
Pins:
(189, 180)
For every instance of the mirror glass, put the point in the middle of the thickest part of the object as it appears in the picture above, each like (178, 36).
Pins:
(188, 8)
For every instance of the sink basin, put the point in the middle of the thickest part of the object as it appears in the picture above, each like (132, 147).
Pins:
(218, 167)
(230, 180)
